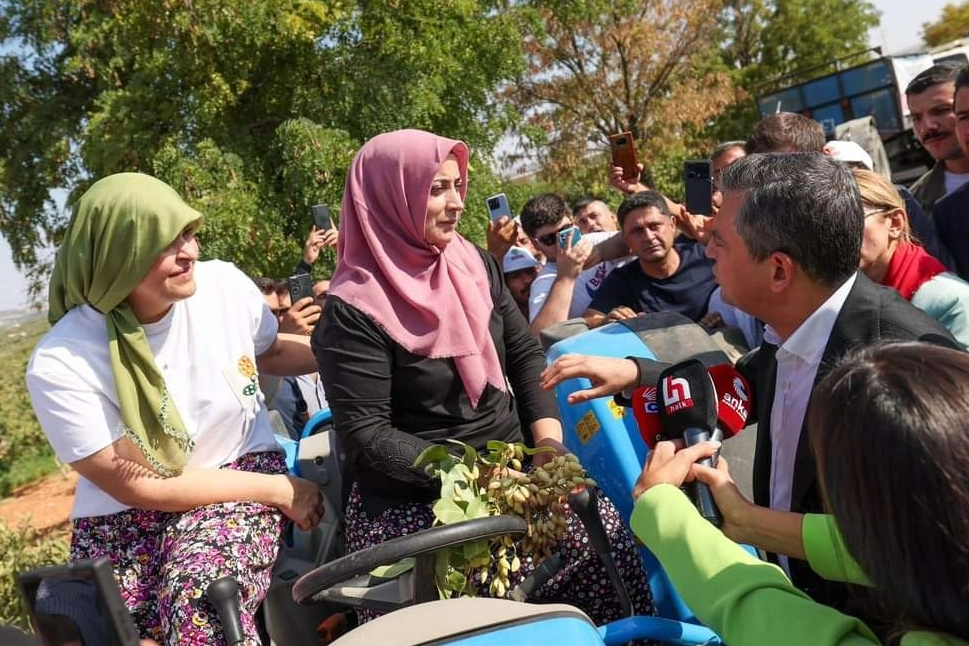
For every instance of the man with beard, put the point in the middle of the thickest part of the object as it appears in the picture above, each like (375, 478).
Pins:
(667, 276)
(931, 100)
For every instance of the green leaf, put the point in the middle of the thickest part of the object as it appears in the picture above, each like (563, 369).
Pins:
(433, 454)
(448, 512)
(395, 570)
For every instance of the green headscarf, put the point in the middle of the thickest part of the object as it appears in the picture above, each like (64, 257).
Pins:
(116, 233)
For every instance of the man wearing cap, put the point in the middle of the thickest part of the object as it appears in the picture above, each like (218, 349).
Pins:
(853, 155)
(520, 268)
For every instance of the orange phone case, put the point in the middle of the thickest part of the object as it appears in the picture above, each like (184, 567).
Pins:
(623, 148)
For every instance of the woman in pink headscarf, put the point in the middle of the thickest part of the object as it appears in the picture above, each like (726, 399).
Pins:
(417, 337)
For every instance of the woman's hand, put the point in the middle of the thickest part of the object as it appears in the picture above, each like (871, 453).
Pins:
(544, 457)
(734, 508)
(301, 501)
(666, 465)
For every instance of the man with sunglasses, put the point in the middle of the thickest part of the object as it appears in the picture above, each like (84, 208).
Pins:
(573, 272)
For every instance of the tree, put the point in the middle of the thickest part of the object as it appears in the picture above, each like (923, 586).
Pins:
(770, 44)
(252, 110)
(951, 25)
(600, 66)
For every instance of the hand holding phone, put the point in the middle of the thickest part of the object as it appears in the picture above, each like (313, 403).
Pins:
(623, 148)
(321, 217)
(699, 186)
(498, 206)
(571, 234)
(300, 286)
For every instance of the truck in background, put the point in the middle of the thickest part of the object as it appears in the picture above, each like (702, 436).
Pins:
(874, 89)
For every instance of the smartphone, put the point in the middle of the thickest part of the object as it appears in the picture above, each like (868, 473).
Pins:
(623, 148)
(321, 218)
(300, 286)
(80, 598)
(573, 233)
(498, 206)
(699, 186)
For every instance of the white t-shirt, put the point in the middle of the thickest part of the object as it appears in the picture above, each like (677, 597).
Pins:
(202, 347)
(585, 285)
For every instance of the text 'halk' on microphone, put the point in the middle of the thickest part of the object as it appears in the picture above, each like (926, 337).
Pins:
(687, 401)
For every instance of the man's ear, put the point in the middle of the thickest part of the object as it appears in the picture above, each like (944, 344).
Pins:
(783, 270)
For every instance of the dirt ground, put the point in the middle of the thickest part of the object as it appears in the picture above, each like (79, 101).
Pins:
(45, 503)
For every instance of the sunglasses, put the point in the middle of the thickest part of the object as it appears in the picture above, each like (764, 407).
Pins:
(550, 239)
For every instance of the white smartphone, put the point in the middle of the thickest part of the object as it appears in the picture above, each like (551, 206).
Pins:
(498, 206)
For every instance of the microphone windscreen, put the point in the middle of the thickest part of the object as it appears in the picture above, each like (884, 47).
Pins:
(646, 413)
(733, 398)
(687, 398)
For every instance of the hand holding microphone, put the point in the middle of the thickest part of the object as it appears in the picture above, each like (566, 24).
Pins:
(692, 404)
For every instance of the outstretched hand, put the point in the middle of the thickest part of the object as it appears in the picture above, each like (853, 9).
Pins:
(608, 375)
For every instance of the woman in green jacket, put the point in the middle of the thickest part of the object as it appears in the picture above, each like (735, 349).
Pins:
(890, 429)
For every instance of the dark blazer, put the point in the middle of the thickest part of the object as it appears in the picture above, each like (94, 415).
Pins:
(870, 314)
(951, 215)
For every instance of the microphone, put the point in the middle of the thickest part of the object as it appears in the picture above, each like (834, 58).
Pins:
(733, 400)
(646, 414)
(733, 406)
(688, 409)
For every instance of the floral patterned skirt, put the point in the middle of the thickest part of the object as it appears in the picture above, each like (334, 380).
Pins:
(582, 581)
(164, 561)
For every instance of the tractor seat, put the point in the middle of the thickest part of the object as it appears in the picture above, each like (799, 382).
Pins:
(431, 622)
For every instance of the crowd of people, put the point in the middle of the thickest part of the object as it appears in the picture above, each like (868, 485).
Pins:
(156, 380)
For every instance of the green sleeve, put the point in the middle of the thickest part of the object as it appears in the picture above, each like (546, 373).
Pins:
(745, 600)
(826, 551)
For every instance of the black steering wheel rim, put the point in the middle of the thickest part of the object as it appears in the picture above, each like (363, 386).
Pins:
(311, 585)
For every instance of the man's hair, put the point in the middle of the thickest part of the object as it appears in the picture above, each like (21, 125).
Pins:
(785, 132)
(543, 210)
(642, 200)
(944, 72)
(584, 202)
(265, 285)
(806, 205)
(962, 78)
(726, 147)
(891, 416)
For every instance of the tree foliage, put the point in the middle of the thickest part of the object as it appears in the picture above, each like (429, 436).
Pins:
(600, 66)
(951, 25)
(770, 44)
(252, 110)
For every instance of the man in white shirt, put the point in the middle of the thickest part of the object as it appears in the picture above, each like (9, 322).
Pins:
(571, 275)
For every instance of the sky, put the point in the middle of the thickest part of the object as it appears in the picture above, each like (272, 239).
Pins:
(901, 25)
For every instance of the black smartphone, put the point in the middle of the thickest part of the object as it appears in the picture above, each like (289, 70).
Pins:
(321, 217)
(623, 148)
(77, 601)
(699, 186)
(300, 286)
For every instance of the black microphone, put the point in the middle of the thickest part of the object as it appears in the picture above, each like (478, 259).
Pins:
(223, 594)
(688, 410)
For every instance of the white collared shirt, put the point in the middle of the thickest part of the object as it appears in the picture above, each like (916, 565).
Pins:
(798, 359)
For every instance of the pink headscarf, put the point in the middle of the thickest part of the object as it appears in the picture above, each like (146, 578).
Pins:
(434, 302)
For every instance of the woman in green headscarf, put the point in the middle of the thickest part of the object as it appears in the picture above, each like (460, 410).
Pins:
(147, 386)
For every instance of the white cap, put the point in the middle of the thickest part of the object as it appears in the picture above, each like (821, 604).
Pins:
(518, 258)
(848, 152)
